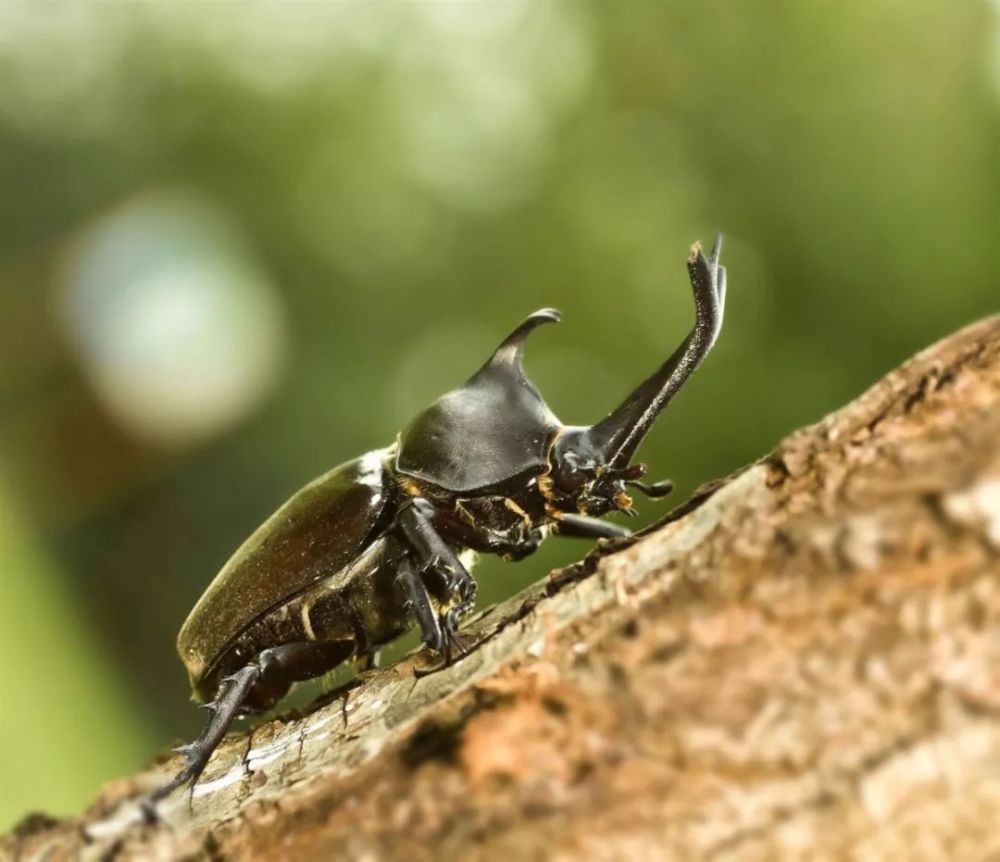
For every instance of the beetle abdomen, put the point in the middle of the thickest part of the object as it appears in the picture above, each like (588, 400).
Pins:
(317, 532)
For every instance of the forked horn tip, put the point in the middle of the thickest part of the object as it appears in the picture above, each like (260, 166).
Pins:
(697, 252)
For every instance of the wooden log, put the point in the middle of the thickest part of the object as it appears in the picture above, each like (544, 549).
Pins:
(803, 662)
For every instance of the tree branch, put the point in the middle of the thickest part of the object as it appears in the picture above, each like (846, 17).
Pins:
(804, 661)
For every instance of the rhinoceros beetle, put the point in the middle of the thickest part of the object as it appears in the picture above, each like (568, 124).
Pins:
(358, 556)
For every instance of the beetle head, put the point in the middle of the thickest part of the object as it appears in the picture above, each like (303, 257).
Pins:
(581, 480)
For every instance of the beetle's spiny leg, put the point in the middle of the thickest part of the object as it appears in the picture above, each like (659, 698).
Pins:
(451, 639)
(456, 641)
(585, 527)
(430, 552)
(419, 602)
(452, 619)
(468, 591)
(233, 692)
(185, 750)
(447, 640)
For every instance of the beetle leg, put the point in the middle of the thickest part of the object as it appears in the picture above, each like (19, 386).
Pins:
(432, 553)
(223, 710)
(454, 614)
(582, 527)
(276, 667)
(452, 639)
(420, 603)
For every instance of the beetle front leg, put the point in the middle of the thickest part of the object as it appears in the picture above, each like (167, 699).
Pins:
(453, 616)
(274, 669)
(582, 527)
(419, 602)
(432, 554)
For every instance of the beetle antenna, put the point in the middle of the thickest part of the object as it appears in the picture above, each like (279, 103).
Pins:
(654, 491)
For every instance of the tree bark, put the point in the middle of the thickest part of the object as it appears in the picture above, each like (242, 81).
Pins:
(803, 661)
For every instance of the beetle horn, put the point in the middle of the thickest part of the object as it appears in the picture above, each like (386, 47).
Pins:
(617, 437)
(510, 353)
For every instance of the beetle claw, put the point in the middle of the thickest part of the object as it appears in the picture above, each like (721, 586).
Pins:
(451, 640)
(458, 642)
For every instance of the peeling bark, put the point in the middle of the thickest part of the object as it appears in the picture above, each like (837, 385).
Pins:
(802, 662)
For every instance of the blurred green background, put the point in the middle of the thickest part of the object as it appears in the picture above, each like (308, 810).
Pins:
(241, 243)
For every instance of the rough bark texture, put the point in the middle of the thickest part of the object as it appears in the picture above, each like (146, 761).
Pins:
(802, 662)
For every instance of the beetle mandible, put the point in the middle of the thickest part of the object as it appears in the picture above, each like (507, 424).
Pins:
(358, 556)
